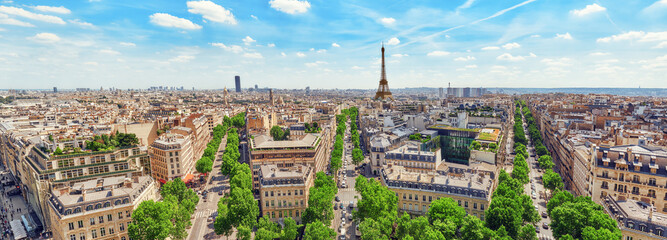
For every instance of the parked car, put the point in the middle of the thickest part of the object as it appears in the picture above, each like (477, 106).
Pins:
(537, 229)
(545, 225)
(544, 214)
(337, 199)
(335, 206)
(351, 204)
(220, 193)
(210, 219)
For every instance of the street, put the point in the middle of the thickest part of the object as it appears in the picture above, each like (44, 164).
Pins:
(348, 194)
(216, 182)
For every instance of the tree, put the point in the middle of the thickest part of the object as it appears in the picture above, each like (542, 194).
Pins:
(475, 145)
(58, 151)
(277, 133)
(372, 230)
(244, 233)
(504, 212)
(552, 180)
(151, 220)
(357, 156)
(243, 207)
(376, 200)
(185, 196)
(318, 231)
(541, 150)
(264, 234)
(204, 165)
(222, 224)
(493, 145)
(291, 229)
(546, 162)
(228, 164)
(473, 228)
(320, 200)
(446, 209)
(527, 232)
(558, 198)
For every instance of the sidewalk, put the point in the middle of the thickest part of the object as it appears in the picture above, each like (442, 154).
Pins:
(11, 207)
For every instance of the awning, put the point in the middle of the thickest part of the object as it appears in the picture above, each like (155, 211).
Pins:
(18, 230)
(187, 178)
(162, 181)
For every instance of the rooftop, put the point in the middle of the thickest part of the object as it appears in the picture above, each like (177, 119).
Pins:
(264, 142)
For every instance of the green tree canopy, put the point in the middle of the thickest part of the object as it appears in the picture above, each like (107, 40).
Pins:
(151, 220)
(318, 231)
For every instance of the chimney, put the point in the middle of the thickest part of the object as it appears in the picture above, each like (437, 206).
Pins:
(127, 183)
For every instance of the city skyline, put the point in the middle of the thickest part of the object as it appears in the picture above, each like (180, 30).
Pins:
(329, 44)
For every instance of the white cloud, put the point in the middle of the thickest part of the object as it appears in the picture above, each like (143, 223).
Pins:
(535, 36)
(565, 36)
(290, 6)
(166, 20)
(271, 45)
(248, 40)
(437, 54)
(511, 46)
(393, 41)
(532, 55)
(558, 62)
(315, 64)
(589, 9)
(91, 63)
(182, 58)
(30, 15)
(509, 57)
(4, 19)
(387, 21)
(211, 11)
(253, 55)
(357, 68)
(335, 45)
(254, 17)
(398, 55)
(230, 48)
(322, 51)
(61, 9)
(128, 44)
(661, 45)
(283, 54)
(81, 23)
(640, 36)
(45, 38)
(464, 59)
(109, 51)
(465, 5)
(490, 48)
(312, 49)
(300, 54)
(471, 66)
(599, 54)
(655, 64)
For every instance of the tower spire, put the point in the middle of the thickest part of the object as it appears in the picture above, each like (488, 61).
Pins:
(383, 91)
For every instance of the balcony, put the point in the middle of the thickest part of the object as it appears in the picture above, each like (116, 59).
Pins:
(604, 187)
(635, 192)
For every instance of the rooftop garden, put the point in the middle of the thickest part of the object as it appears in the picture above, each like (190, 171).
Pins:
(102, 143)
(491, 147)
(312, 128)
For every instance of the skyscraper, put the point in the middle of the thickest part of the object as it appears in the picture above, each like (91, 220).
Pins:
(55, 89)
(383, 91)
(238, 83)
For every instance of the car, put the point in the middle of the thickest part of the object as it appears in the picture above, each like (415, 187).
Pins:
(344, 186)
(341, 206)
(220, 193)
(342, 237)
(545, 225)
(351, 204)
(337, 199)
(342, 222)
(537, 229)
(544, 214)
(342, 216)
(335, 206)
(210, 219)
(349, 217)
(534, 197)
(537, 209)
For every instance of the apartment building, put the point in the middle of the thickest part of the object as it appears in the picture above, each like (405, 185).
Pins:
(171, 156)
(200, 135)
(637, 220)
(413, 159)
(310, 150)
(284, 191)
(98, 208)
(471, 187)
(631, 172)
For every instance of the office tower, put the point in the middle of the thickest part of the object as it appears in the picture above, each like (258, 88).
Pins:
(55, 89)
(238, 83)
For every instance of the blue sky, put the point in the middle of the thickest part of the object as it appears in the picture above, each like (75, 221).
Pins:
(332, 44)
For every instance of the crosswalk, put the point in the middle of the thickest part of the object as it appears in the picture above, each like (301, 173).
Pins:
(204, 213)
(543, 236)
(349, 189)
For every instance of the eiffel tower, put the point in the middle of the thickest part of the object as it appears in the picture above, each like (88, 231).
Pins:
(383, 91)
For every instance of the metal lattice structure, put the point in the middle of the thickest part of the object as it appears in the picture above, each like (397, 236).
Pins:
(383, 91)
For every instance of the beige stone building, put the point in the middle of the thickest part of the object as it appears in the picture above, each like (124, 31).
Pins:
(284, 191)
(471, 187)
(637, 220)
(99, 208)
(631, 172)
(171, 156)
(413, 159)
(310, 150)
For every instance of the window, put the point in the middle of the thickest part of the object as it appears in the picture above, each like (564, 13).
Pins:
(122, 238)
(403, 196)
(423, 208)
(71, 226)
(404, 206)
(111, 230)
(72, 237)
(410, 196)
(266, 194)
(120, 215)
(466, 204)
(430, 199)
(271, 193)
(80, 223)
(103, 232)
(474, 205)
(267, 203)
(101, 219)
(92, 221)
(93, 233)
(301, 192)
(121, 226)
(424, 198)
(481, 206)
(459, 203)
(82, 236)
(109, 218)
(128, 214)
